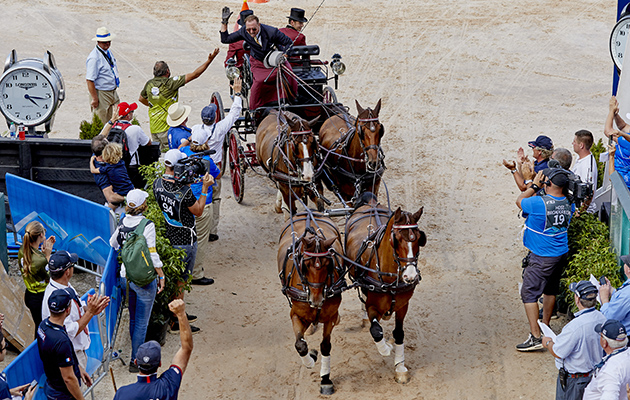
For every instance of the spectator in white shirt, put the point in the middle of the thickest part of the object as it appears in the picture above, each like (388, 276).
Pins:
(586, 166)
(215, 131)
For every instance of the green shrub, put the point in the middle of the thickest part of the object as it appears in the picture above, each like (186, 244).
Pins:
(597, 149)
(171, 257)
(87, 130)
(589, 253)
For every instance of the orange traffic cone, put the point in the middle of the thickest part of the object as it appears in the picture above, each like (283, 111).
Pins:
(243, 8)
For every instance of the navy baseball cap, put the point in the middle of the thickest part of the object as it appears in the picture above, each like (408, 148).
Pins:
(625, 259)
(612, 329)
(149, 355)
(209, 112)
(62, 260)
(583, 289)
(59, 301)
(542, 141)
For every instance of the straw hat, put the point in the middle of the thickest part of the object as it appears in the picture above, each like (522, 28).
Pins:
(103, 35)
(177, 114)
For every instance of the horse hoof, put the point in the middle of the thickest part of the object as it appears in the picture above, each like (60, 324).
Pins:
(402, 377)
(327, 390)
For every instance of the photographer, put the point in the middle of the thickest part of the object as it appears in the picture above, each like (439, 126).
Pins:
(546, 224)
(179, 206)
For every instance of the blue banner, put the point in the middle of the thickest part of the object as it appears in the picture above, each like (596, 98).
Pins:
(80, 226)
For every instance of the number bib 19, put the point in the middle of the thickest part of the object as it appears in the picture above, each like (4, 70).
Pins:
(558, 214)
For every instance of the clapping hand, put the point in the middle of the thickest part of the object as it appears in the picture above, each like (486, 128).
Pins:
(97, 303)
(47, 246)
(613, 105)
(238, 85)
(212, 55)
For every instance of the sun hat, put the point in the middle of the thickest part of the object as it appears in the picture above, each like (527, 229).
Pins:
(177, 114)
(612, 329)
(59, 301)
(136, 198)
(61, 260)
(103, 35)
(149, 355)
(542, 141)
(172, 156)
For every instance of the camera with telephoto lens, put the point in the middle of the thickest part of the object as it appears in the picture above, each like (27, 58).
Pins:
(576, 191)
(192, 168)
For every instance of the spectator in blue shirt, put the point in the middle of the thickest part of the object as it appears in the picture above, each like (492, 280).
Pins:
(620, 153)
(149, 359)
(523, 170)
(114, 168)
(178, 133)
(577, 348)
(546, 225)
(617, 305)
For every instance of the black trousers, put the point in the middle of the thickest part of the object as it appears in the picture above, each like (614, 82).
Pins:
(34, 303)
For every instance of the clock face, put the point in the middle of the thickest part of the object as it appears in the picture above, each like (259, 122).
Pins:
(618, 40)
(26, 97)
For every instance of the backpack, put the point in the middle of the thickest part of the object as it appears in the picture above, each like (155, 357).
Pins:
(137, 258)
(117, 135)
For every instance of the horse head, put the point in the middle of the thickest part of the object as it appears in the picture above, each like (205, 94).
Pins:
(370, 132)
(304, 146)
(406, 239)
(317, 265)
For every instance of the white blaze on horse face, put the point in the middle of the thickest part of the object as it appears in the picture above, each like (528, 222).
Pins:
(410, 273)
(307, 166)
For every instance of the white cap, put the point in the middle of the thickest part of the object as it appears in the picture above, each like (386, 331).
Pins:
(172, 156)
(136, 198)
(199, 137)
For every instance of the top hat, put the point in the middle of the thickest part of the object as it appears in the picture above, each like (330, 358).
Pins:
(297, 14)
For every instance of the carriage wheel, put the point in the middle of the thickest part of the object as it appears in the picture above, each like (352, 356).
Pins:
(216, 100)
(236, 172)
(329, 95)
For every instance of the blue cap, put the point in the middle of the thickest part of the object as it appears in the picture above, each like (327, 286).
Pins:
(542, 141)
(149, 355)
(209, 113)
(62, 260)
(612, 329)
(59, 301)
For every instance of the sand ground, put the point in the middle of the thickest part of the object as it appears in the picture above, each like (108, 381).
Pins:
(463, 85)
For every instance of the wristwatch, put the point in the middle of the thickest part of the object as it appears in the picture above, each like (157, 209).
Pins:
(513, 171)
(237, 94)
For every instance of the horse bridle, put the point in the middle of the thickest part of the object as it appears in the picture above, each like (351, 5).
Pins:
(407, 260)
(372, 121)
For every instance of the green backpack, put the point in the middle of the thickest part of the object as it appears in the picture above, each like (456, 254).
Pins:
(137, 258)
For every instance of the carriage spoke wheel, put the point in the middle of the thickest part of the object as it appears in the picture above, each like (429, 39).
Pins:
(236, 171)
(329, 95)
(216, 100)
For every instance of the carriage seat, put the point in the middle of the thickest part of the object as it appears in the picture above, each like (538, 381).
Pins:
(303, 51)
(306, 69)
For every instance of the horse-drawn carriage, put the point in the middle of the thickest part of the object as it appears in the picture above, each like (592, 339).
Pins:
(315, 99)
(302, 145)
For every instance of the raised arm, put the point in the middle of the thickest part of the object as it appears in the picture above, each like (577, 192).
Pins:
(203, 67)
(182, 356)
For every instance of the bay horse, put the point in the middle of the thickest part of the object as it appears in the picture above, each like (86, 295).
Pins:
(287, 150)
(310, 270)
(353, 156)
(386, 246)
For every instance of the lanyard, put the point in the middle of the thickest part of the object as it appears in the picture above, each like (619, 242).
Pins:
(601, 364)
(76, 300)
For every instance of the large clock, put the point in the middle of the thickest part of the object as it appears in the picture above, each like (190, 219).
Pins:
(619, 38)
(31, 90)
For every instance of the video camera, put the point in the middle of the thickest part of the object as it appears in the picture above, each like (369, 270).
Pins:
(190, 169)
(576, 191)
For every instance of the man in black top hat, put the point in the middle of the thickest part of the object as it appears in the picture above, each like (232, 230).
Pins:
(294, 29)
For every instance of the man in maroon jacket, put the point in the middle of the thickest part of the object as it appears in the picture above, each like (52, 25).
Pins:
(296, 23)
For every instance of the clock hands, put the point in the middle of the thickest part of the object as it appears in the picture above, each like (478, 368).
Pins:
(27, 97)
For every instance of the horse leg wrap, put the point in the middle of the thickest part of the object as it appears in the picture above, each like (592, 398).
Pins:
(376, 331)
(308, 361)
(399, 358)
(325, 367)
(384, 348)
